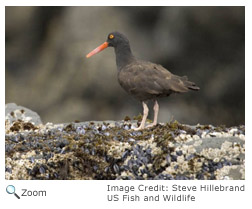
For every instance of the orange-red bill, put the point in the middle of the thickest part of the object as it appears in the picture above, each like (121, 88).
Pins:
(97, 50)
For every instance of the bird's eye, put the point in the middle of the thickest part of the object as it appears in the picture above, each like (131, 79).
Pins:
(111, 36)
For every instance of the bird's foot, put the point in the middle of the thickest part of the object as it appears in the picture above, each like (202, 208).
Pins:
(138, 128)
(151, 125)
(142, 127)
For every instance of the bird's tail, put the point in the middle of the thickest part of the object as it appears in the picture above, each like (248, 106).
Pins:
(190, 85)
(193, 87)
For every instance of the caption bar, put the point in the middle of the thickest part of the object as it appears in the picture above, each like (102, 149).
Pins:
(160, 192)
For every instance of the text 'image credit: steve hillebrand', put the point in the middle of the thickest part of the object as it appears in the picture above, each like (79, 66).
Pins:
(174, 188)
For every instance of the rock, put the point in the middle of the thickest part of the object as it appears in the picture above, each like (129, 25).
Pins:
(14, 112)
(106, 150)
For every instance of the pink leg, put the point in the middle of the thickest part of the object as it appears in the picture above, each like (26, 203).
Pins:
(145, 114)
(156, 109)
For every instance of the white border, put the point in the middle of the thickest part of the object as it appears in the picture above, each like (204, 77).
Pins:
(126, 3)
(86, 194)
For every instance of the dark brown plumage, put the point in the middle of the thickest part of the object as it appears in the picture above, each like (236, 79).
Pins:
(146, 80)
(143, 80)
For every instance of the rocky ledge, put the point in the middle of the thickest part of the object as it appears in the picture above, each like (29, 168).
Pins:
(113, 150)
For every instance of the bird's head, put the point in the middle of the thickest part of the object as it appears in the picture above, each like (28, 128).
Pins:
(114, 40)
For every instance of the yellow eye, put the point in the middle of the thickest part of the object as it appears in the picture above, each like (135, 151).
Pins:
(111, 36)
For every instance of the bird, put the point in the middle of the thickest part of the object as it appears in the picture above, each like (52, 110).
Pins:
(143, 80)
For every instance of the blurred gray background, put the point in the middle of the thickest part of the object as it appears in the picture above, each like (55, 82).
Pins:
(46, 68)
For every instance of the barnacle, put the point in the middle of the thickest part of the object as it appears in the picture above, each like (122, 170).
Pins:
(112, 150)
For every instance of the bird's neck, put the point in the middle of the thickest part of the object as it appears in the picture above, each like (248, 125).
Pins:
(123, 56)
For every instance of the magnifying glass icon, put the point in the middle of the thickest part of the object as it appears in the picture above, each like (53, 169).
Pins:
(11, 190)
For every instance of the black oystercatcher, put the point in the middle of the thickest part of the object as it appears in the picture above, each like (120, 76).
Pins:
(144, 80)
